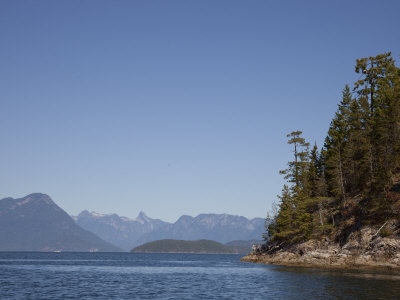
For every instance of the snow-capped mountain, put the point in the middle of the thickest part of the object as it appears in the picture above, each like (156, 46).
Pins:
(120, 231)
(222, 228)
(127, 233)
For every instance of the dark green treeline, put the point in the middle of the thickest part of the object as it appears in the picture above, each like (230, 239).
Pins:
(358, 166)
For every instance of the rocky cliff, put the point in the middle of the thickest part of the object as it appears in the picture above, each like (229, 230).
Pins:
(368, 247)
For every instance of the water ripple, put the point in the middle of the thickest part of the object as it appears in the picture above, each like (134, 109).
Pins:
(177, 276)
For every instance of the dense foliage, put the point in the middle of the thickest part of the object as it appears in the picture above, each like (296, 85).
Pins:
(358, 166)
(181, 246)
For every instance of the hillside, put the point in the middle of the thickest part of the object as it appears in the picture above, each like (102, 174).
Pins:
(36, 223)
(181, 246)
(341, 204)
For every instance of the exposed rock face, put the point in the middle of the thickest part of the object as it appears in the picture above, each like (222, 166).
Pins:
(363, 249)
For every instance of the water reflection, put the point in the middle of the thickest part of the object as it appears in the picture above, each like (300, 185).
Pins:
(378, 274)
(344, 284)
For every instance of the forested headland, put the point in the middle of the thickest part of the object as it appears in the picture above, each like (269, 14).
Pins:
(352, 183)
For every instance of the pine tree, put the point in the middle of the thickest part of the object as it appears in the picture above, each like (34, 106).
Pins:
(335, 144)
(359, 163)
(297, 169)
(282, 227)
(313, 173)
(294, 221)
(378, 86)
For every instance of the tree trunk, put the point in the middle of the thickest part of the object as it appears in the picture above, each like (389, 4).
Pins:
(296, 167)
(320, 214)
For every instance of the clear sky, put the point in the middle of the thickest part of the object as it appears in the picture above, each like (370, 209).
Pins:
(173, 107)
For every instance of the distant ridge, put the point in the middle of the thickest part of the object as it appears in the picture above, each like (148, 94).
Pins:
(127, 233)
(117, 230)
(36, 223)
(222, 228)
(180, 246)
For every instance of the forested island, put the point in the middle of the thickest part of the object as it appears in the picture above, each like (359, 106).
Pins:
(181, 246)
(341, 204)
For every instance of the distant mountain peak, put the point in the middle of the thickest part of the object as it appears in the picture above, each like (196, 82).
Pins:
(35, 197)
(142, 218)
(184, 219)
(92, 214)
(36, 223)
(127, 233)
(118, 230)
(84, 213)
(99, 215)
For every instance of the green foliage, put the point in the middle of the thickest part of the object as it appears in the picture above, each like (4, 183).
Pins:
(360, 157)
(296, 172)
(335, 144)
(314, 173)
(181, 246)
(323, 230)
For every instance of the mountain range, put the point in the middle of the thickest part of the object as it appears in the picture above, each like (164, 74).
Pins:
(36, 223)
(120, 231)
(128, 233)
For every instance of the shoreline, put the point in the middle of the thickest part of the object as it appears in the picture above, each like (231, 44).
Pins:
(267, 260)
(174, 252)
(363, 250)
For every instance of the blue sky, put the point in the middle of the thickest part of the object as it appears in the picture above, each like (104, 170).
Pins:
(173, 107)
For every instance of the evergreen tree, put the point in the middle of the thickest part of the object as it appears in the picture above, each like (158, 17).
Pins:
(357, 150)
(335, 144)
(359, 163)
(294, 221)
(314, 173)
(374, 76)
(282, 226)
(378, 86)
(297, 169)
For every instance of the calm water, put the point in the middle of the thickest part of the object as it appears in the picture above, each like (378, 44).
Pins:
(177, 276)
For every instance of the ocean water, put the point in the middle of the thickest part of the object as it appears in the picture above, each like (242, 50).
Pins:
(33, 275)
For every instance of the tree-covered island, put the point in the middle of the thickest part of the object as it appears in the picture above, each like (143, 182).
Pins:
(182, 246)
(341, 204)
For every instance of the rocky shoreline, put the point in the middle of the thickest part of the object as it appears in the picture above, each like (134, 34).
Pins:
(363, 249)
